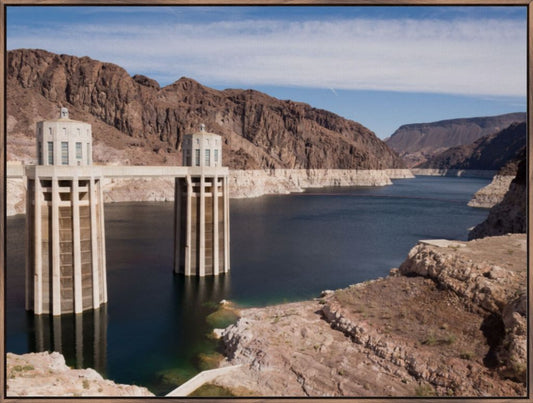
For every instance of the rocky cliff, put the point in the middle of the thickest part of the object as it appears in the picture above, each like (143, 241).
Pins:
(487, 153)
(137, 122)
(451, 321)
(510, 215)
(415, 143)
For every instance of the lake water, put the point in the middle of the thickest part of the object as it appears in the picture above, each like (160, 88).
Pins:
(283, 248)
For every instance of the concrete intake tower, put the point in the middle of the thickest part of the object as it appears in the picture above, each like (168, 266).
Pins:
(65, 263)
(202, 208)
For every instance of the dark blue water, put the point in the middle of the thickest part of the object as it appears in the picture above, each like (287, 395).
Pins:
(283, 248)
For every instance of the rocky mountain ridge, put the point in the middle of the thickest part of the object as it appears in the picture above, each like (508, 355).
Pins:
(492, 152)
(417, 142)
(136, 121)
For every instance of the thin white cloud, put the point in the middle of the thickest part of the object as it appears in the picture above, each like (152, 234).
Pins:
(464, 56)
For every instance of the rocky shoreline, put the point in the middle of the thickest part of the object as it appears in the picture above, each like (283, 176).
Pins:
(46, 374)
(255, 183)
(493, 193)
(243, 184)
(260, 182)
(453, 324)
(467, 173)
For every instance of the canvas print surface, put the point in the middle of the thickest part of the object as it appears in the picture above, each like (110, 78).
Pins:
(232, 201)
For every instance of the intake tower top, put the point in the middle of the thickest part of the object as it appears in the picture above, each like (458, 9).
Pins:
(64, 141)
(202, 149)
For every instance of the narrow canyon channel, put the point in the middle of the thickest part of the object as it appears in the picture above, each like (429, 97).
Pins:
(154, 330)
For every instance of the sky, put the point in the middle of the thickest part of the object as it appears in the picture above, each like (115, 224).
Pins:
(380, 66)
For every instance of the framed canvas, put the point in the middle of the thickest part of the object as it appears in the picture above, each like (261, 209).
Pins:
(275, 199)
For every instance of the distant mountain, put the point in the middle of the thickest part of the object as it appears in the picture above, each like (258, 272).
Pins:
(137, 122)
(490, 152)
(415, 143)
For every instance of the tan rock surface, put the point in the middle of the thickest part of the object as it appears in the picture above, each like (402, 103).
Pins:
(138, 189)
(493, 193)
(289, 350)
(437, 330)
(46, 374)
(487, 272)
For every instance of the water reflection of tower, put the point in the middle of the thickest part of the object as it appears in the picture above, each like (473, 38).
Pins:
(82, 339)
(197, 291)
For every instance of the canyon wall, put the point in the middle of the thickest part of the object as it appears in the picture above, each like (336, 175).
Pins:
(137, 122)
(490, 152)
(417, 142)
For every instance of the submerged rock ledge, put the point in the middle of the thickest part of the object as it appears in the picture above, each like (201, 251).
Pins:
(451, 321)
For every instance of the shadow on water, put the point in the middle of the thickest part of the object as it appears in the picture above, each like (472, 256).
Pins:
(195, 291)
(193, 300)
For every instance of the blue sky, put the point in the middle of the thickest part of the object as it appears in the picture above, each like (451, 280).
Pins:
(380, 66)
